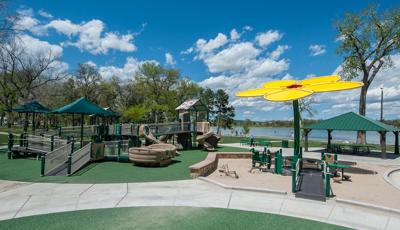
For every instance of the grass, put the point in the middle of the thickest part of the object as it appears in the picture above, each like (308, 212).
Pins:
(163, 218)
(105, 172)
(311, 143)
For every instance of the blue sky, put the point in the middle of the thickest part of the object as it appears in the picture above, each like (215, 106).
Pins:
(231, 45)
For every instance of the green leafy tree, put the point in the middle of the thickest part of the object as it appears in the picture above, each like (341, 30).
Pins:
(87, 81)
(134, 113)
(367, 41)
(223, 111)
(246, 126)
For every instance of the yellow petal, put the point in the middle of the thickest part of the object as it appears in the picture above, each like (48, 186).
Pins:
(336, 86)
(288, 95)
(278, 84)
(320, 80)
(252, 93)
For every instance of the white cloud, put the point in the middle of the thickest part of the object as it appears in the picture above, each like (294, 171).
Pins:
(88, 36)
(248, 28)
(268, 37)
(91, 63)
(205, 47)
(278, 51)
(34, 46)
(45, 14)
(316, 50)
(65, 27)
(234, 34)
(124, 73)
(169, 59)
(233, 58)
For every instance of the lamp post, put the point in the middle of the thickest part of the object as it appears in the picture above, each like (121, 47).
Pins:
(381, 104)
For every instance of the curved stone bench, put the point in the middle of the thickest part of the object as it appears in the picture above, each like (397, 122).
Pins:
(210, 164)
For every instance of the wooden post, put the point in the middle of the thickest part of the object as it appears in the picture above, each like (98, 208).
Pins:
(396, 142)
(383, 144)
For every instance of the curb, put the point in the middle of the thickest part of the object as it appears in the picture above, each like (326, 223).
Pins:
(387, 178)
(250, 189)
(367, 205)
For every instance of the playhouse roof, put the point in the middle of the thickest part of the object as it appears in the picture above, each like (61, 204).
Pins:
(193, 104)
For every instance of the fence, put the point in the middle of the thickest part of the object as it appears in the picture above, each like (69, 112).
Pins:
(114, 149)
(75, 131)
(79, 158)
(54, 160)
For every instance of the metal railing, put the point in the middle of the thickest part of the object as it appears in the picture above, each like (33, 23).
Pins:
(296, 175)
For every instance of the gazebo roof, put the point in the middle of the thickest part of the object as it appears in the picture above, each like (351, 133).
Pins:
(352, 122)
(193, 104)
(31, 107)
(83, 106)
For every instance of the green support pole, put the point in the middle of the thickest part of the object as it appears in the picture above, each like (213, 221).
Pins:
(396, 143)
(52, 143)
(81, 130)
(33, 123)
(328, 185)
(296, 123)
(119, 150)
(10, 144)
(43, 160)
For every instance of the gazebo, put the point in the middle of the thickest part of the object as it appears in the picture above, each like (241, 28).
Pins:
(33, 107)
(83, 107)
(354, 122)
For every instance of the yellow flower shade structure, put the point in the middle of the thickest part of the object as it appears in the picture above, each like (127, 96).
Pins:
(293, 90)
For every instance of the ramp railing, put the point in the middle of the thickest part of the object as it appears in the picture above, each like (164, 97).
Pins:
(79, 158)
(296, 174)
(54, 160)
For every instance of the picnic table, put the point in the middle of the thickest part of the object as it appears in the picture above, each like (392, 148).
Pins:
(353, 148)
(340, 166)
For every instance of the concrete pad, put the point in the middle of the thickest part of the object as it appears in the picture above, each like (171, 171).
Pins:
(203, 198)
(254, 201)
(155, 194)
(120, 188)
(32, 189)
(98, 200)
(11, 185)
(359, 217)
(48, 204)
(394, 222)
(306, 208)
(10, 206)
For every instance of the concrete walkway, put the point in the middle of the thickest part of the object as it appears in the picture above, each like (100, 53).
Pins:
(316, 154)
(19, 199)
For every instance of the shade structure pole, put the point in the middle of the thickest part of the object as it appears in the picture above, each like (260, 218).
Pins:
(81, 130)
(383, 144)
(26, 122)
(296, 124)
(396, 142)
(33, 122)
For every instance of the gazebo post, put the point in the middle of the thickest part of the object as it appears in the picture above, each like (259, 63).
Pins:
(329, 138)
(26, 122)
(33, 122)
(396, 142)
(306, 131)
(383, 144)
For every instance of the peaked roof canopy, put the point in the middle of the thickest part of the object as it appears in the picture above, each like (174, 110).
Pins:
(352, 122)
(83, 106)
(31, 107)
(193, 104)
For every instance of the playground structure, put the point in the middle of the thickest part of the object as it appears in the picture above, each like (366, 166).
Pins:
(60, 155)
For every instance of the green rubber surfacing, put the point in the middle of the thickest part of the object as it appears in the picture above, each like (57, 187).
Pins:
(163, 218)
(106, 172)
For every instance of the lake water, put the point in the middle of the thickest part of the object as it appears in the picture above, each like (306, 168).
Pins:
(319, 135)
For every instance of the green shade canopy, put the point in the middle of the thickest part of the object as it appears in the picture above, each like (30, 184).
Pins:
(83, 106)
(31, 107)
(352, 122)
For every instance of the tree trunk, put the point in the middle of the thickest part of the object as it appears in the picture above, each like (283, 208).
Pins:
(218, 122)
(2, 118)
(361, 135)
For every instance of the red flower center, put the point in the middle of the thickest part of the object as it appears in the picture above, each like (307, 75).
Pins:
(294, 86)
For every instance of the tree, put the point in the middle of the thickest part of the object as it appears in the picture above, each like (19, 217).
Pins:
(87, 81)
(224, 112)
(134, 113)
(367, 40)
(246, 126)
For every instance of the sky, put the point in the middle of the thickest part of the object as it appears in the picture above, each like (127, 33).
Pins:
(229, 45)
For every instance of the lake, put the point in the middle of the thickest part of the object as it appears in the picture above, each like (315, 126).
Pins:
(318, 135)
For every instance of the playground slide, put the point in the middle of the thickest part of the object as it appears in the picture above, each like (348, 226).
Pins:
(144, 131)
(204, 140)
